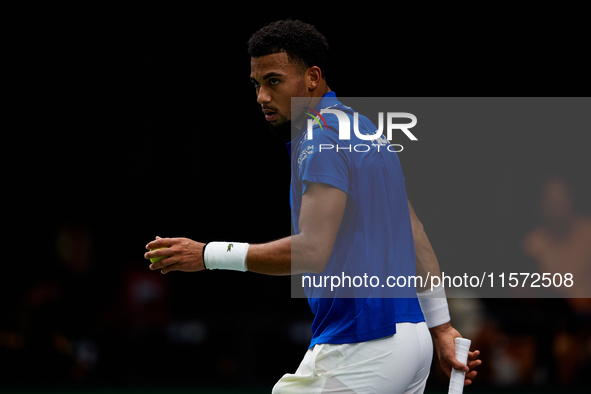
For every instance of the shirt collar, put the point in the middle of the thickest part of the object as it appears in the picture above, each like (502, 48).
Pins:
(328, 99)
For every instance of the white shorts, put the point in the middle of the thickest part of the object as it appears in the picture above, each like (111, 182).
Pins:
(399, 363)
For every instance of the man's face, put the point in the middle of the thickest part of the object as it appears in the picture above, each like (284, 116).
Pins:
(277, 80)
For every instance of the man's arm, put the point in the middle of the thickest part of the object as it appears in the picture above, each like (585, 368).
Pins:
(443, 334)
(308, 251)
(425, 256)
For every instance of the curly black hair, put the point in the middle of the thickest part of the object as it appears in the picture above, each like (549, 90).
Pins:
(302, 43)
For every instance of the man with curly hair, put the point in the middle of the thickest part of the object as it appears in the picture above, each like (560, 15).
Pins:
(362, 343)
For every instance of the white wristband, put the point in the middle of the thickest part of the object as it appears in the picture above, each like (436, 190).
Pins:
(225, 256)
(434, 306)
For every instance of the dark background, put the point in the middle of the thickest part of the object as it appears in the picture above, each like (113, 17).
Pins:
(127, 125)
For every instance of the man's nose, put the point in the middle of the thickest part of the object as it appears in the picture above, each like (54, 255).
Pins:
(263, 96)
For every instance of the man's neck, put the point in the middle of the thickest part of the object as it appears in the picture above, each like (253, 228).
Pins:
(315, 98)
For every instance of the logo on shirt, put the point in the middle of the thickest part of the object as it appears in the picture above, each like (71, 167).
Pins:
(230, 247)
(304, 155)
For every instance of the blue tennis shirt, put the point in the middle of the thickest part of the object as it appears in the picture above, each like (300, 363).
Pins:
(375, 237)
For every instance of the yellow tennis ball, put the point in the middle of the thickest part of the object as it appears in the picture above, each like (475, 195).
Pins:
(156, 259)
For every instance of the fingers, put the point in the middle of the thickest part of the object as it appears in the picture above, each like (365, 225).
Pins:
(167, 269)
(164, 253)
(169, 259)
(471, 363)
(455, 364)
(161, 248)
(170, 251)
(459, 366)
(175, 254)
(470, 376)
(161, 243)
(473, 360)
(468, 368)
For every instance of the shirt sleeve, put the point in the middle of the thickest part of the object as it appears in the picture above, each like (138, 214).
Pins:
(324, 159)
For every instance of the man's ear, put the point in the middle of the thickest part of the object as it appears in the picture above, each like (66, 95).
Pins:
(313, 77)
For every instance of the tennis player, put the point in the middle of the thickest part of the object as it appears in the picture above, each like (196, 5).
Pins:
(350, 213)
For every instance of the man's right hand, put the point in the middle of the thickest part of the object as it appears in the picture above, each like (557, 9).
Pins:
(181, 254)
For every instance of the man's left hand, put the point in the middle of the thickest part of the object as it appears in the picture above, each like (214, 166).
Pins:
(444, 340)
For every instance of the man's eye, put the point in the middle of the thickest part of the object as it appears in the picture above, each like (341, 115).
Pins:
(273, 81)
